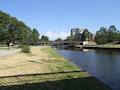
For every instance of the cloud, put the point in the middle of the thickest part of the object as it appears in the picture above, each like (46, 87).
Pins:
(54, 35)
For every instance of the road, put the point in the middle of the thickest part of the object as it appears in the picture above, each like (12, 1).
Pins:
(8, 52)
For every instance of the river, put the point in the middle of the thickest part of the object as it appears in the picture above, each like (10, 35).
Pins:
(104, 65)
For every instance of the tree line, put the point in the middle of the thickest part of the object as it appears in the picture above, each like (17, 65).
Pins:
(104, 35)
(14, 31)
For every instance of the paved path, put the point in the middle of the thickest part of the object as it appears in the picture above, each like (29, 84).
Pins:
(8, 52)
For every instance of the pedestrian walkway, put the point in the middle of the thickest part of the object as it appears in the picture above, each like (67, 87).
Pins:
(8, 52)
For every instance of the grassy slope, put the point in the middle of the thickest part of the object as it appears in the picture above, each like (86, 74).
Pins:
(63, 64)
(55, 81)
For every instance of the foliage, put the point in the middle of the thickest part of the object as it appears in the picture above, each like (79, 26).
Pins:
(13, 30)
(104, 36)
(25, 49)
(35, 36)
(86, 35)
(112, 33)
(101, 36)
(58, 40)
(45, 38)
(69, 38)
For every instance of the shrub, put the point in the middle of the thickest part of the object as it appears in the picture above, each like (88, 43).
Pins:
(25, 49)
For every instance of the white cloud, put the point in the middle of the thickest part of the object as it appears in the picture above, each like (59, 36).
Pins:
(54, 35)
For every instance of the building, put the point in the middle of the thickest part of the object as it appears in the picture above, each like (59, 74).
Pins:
(92, 37)
(76, 34)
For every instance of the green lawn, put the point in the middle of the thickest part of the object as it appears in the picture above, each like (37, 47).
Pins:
(62, 64)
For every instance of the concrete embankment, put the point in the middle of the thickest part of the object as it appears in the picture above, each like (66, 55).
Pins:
(109, 48)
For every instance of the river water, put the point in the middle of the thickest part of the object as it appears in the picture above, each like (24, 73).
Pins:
(104, 65)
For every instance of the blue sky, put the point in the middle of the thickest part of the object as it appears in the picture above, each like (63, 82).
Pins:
(55, 18)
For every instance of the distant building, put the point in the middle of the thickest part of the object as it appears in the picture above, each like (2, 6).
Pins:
(76, 33)
(92, 37)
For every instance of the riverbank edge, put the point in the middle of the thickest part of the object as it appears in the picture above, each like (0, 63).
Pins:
(102, 48)
(69, 80)
(102, 84)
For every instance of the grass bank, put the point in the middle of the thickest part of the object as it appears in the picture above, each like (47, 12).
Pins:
(61, 63)
(44, 69)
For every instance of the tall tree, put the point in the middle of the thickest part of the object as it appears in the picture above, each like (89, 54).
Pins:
(12, 30)
(45, 38)
(112, 33)
(58, 40)
(101, 36)
(86, 35)
(35, 36)
(1, 34)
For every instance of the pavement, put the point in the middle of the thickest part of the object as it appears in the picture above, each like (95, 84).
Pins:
(4, 53)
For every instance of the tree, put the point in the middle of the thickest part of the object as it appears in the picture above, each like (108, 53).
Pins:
(12, 30)
(22, 32)
(58, 40)
(35, 36)
(102, 36)
(86, 35)
(70, 38)
(112, 28)
(113, 33)
(45, 38)
(1, 34)
(4, 25)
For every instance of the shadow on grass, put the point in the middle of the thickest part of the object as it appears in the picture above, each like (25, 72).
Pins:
(86, 83)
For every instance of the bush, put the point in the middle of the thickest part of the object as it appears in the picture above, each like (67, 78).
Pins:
(25, 49)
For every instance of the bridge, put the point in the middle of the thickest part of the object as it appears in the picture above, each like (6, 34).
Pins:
(65, 44)
(68, 44)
